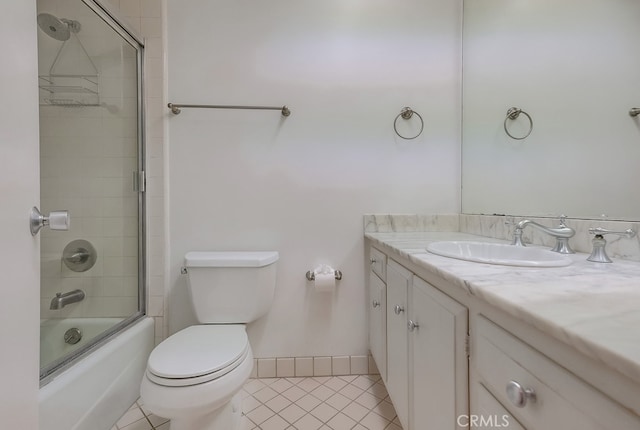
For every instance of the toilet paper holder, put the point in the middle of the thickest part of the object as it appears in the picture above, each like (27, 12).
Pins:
(311, 276)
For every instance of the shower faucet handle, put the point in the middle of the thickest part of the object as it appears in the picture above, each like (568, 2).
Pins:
(57, 220)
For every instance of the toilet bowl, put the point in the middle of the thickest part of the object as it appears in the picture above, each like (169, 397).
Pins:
(195, 372)
(195, 375)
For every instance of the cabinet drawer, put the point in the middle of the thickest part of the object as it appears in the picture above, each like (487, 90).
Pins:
(378, 263)
(562, 400)
(488, 412)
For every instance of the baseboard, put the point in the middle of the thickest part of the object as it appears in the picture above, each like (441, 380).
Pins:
(291, 367)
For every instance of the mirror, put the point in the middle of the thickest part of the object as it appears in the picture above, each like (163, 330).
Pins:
(572, 66)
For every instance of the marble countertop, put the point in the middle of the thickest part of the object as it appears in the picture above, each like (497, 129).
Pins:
(593, 307)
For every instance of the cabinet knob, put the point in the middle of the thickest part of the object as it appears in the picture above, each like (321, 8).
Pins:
(376, 304)
(412, 325)
(398, 309)
(373, 261)
(518, 395)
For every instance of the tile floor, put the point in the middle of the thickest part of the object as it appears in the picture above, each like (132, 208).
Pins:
(354, 402)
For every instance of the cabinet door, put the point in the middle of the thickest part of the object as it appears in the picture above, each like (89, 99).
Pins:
(378, 323)
(398, 281)
(438, 356)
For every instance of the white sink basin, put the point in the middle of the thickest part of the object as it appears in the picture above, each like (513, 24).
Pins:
(498, 253)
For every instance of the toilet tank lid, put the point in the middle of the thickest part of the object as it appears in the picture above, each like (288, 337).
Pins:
(230, 258)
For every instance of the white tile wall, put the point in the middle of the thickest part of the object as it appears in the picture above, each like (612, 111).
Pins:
(87, 159)
(285, 367)
(321, 366)
(304, 366)
(341, 365)
(267, 368)
(146, 17)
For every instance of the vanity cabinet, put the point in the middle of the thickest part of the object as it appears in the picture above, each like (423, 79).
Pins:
(378, 263)
(439, 367)
(536, 392)
(398, 284)
(377, 310)
(427, 367)
(505, 374)
(489, 412)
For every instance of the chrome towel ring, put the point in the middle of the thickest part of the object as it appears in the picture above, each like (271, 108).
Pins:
(406, 113)
(512, 114)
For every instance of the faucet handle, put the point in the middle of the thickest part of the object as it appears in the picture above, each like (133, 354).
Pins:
(599, 253)
(628, 233)
(562, 242)
(568, 231)
(562, 220)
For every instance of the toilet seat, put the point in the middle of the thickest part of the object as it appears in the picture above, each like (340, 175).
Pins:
(198, 354)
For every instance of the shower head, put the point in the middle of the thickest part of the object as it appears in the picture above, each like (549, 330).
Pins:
(53, 27)
(59, 29)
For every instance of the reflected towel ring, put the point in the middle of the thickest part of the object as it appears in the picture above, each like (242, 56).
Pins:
(406, 113)
(514, 113)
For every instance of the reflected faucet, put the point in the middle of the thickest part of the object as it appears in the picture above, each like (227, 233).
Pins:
(62, 300)
(562, 233)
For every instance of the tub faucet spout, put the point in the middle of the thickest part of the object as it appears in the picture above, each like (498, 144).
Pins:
(61, 300)
(562, 233)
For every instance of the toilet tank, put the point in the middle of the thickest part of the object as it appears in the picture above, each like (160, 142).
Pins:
(231, 287)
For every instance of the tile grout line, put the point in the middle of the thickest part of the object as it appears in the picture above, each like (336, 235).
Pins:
(146, 417)
(370, 407)
(370, 410)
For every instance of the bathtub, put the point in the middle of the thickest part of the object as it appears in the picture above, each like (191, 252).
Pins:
(52, 344)
(96, 390)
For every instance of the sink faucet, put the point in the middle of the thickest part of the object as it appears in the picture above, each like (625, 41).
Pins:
(62, 300)
(562, 233)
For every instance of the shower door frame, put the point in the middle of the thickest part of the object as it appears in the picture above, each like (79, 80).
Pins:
(104, 11)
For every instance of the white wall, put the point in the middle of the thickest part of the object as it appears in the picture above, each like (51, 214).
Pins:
(253, 180)
(19, 188)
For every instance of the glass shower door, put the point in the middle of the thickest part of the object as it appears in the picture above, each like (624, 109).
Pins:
(91, 149)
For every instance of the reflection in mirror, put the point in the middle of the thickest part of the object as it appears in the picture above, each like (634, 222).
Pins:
(572, 66)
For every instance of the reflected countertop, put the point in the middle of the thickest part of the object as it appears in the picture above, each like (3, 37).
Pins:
(593, 307)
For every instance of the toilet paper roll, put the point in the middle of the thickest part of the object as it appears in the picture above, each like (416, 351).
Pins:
(325, 282)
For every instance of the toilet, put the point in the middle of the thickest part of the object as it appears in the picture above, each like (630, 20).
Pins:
(194, 376)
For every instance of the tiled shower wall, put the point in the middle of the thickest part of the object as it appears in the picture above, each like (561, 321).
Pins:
(146, 17)
(87, 160)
